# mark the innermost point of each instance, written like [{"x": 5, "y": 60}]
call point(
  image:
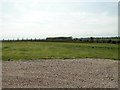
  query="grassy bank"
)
[{"x": 51, "y": 50}]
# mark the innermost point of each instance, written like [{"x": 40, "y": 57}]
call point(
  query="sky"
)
[{"x": 52, "y": 18}]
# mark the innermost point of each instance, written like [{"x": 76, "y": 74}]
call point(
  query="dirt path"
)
[{"x": 85, "y": 73}]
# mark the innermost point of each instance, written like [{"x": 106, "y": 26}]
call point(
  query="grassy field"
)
[{"x": 51, "y": 50}]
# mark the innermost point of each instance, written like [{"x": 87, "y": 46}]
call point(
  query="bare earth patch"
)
[{"x": 70, "y": 73}]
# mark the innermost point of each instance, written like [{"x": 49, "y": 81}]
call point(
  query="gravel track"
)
[{"x": 70, "y": 73}]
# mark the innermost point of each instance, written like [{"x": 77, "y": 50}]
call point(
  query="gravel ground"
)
[{"x": 70, "y": 73}]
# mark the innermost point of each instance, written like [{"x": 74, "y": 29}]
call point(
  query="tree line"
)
[{"x": 113, "y": 40}]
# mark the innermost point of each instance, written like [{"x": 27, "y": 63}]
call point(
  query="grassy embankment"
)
[{"x": 53, "y": 50}]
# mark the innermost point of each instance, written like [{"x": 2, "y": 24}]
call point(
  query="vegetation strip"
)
[{"x": 57, "y": 50}]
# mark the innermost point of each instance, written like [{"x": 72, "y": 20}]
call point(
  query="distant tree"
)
[
  {"x": 59, "y": 39},
  {"x": 75, "y": 39},
  {"x": 118, "y": 42},
  {"x": 91, "y": 39},
  {"x": 22, "y": 39},
  {"x": 35, "y": 39},
  {"x": 17, "y": 39},
  {"x": 103, "y": 41},
  {"x": 97, "y": 40},
  {"x": 114, "y": 42},
  {"x": 109, "y": 41},
  {"x": 80, "y": 40}
]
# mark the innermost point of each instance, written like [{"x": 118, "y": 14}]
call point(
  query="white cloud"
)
[
  {"x": 56, "y": 23},
  {"x": 28, "y": 21},
  {"x": 37, "y": 1}
]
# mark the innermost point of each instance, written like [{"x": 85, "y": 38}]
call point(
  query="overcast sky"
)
[{"x": 41, "y": 19}]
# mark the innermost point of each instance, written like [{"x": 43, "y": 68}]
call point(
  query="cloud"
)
[
  {"x": 28, "y": 19},
  {"x": 37, "y": 1}
]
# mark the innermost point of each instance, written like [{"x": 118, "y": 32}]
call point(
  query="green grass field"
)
[{"x": 54, "y": 50}]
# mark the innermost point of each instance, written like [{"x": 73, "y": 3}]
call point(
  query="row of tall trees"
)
[{"x": 113, "y": 40}]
